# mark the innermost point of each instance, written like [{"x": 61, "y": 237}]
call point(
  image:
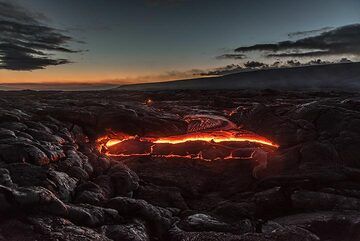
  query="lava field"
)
[{"x": 180, "y": 165}]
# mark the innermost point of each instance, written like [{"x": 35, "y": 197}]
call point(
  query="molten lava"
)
[
  {"x": 212, "y": 145},
  {"x": 209, "y": 137},
  {"x": 216, "y": 137}
]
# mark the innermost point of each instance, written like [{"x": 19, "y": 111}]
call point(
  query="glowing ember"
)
[{"x": 149, "y": 102}]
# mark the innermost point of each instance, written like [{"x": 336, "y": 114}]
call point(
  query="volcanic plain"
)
[{"x": 249, "y": 165}]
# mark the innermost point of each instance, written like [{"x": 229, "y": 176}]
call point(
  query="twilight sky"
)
[{"x": 148, "y": 40}]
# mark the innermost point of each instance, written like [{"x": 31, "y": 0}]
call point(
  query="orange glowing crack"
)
[
  {"x": 217, "y": 137},
  {"x": 104, "y": 144},
  {"x": 192, "y": 156},
  {"x": 106, "y": 141},
  {"x": 113, "y": 142}
]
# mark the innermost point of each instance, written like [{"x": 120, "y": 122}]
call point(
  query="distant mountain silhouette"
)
[{"x": 344, "y": 76}]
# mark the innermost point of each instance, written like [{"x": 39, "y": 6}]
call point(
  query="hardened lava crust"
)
[{"x": 144, "y": 166}]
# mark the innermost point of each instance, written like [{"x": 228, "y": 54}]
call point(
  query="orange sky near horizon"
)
[
  {"x": 29, "y": 77},
  {"x": 91, "y": 77},
  {"x": 128, "y": 42},
  {"x": 83, "y": 74}
]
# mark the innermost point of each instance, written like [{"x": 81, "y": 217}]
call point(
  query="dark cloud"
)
[
  {"x": 233, "y": 68},
  {"x": 293, "y": 63},
  {"x": 340, "y": 41},
  {"x": 345, "y": 60},
  {"x": 231, "y": 56},
  {"x": 255, "y": 64},
  {"x": 228, "y": 69},
  {"x": 12, "y": 12},
  {"x": 298, "y": 54},
  {"x": 318, "y": 61},
  {"x": 309, "y": 32},
  {"x": 27, "y": 44},
  {"x": 297, "y": 63}
]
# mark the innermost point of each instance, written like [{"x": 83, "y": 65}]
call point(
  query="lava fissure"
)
[
  {"x": 207, "y": 146},
  {"x": 209, "y": 138},
  {"x": 216, "y": 137}
]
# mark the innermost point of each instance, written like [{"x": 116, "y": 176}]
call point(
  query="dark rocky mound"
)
[
  {"x": 333, "y": 76},
  {"x": 54, "y": 185}
]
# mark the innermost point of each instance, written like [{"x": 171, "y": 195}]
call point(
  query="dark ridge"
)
[{"x": 331, "y": 76}]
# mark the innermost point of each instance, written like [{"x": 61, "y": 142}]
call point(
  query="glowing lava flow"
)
[
  {"x": 208, "y": 146},
  {"x": 209, "y": 137},
  {"x": 106, "y": 142},
  {"x": 216, "y": 137}
]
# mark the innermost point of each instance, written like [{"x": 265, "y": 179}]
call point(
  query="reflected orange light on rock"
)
[{"x": 108, "y": 141}]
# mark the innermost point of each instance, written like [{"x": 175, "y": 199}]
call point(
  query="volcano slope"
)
[{"x": 56, "y": 183}]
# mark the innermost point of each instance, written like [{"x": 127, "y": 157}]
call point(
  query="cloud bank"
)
[
  {"x": 27, "y": 44},
  {"x": 309, "y": 32},
  {"x": 339, "y": 41},
  {"x": 255, "y": 65}
]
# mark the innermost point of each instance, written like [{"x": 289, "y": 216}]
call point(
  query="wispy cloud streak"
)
[{"x": 26, "y": 43}]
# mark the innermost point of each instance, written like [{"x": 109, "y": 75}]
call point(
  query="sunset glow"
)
[{"x": 131, "y": 42}]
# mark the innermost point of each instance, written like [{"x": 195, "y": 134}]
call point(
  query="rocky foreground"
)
[{"x": 55, "y": 185}]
